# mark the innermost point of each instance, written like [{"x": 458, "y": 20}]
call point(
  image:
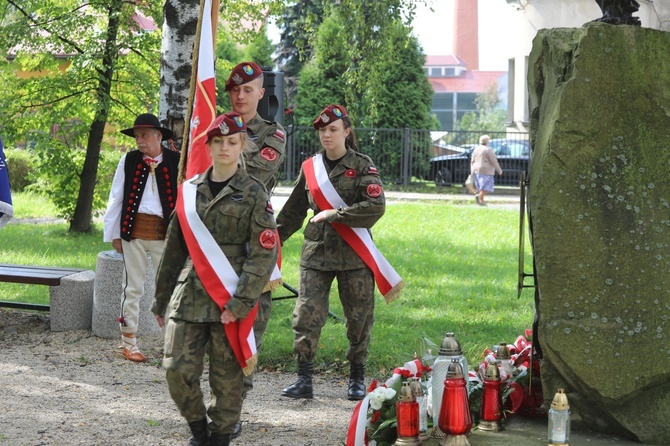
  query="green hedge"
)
[{"x": 21, "y": 167}]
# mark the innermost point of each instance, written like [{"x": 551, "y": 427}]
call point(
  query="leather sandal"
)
[{"x": 134, "y": 354}]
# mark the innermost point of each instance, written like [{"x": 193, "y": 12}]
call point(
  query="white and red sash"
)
[
  {"x": 359, "y": 239},
  {"x": 216, "y": 274}
]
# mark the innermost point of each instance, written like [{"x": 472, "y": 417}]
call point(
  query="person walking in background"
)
[
  {"x": 263, "y": 159},
  {"x": 142, "y": 197},
  {"x": 483, "y": 165},
  {"x": 343, "y": 188},
  {"x": 219, "y": 253}
]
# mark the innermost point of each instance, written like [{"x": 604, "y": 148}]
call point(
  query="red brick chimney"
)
[{"x": 466, "y": 32}]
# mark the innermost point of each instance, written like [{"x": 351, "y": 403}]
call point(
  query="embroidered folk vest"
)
[{"x": 136, "y": 177}]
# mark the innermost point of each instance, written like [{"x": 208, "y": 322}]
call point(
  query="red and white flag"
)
[{"x": 204, "y": 100}]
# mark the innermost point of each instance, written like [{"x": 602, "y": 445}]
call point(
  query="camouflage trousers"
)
[
  {"x": 185, "y": 346},
  {"x": 356, "y": 290},
  {"x": 260, "y": 324}
]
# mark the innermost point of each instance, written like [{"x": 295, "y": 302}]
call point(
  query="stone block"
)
[
  {"x": 599, "y": 198},
  {"x": 71, "y": 302},
  {"x": 107, "y": 298}
]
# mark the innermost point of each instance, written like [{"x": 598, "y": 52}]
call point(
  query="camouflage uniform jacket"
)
[
  {"x": 323, "y": 248},
  {"x": 236, "y": 217},
  {"x": 267, "y": 156}
]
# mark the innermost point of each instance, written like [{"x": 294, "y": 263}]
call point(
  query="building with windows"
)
[
  {"x": 533, "y": 15},
  {"x": 456, "y": 79}
]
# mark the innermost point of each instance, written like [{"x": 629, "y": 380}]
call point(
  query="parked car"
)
[{"x": 513, "y": 156}]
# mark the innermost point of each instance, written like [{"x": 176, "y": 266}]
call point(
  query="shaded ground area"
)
[{"x": 74, "y": 388}]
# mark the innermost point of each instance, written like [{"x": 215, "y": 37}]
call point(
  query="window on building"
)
[{"x": 436, "y": 72}]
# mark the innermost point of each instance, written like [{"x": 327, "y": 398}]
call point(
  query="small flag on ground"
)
[{"x": 6, "y": 210}]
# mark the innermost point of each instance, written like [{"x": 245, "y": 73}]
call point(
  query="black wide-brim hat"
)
[{"x": 148, "y": 121}]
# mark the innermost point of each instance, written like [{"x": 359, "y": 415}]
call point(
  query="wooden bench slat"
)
[{"x": 37, "y": 275}]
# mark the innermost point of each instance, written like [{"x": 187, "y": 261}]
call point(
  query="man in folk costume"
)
[
  {"x": 143, "y": 195},
  {"x": 263, "y": 160},
  {"x": 220, "y": 251},
  {"x": 343, "y": 189}
]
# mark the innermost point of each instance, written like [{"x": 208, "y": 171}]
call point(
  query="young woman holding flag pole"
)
[{"x": 220, "y": 250}]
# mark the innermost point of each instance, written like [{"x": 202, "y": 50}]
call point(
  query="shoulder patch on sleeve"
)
[
  {"x": 268, "y": 239},
  {"x": 374, "y": 190},
  {"x": 269, "y": 153},
  {"x": 372, "y": 170}
]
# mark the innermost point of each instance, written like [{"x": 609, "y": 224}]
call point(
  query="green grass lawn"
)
[{"x": 459, "y": 264}]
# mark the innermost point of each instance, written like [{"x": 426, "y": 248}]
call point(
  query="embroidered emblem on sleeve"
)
[
  {"x": 374, "y": 190},
  {"x": 269, "y": 208},
  {"x": 269, "y": 154},
  {"x": 350, "y": 173},
  {"x": 373, "y": 170},
  {"x": 268, "y": 239}
]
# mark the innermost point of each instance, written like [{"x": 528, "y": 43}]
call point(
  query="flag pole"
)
[{"x": 191, "y": 94}]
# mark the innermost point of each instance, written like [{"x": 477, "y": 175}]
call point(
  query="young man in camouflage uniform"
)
[{"x": 263, "y": 160}]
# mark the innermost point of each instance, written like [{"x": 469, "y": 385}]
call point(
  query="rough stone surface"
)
[
  {"x": 107, "y": 298},
  {"x": 71, "y": 302},
  {"x": 600, "y": 214}
]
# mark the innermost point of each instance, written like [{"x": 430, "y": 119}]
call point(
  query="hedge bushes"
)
[{"x": 21, "y": 165}]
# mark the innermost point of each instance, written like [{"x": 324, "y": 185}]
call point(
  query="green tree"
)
[
  {"x": 399, "y": 93},
  {"x": 321, "y": 79},
  {"x": 298, "y": 23},
  {"x": 489, "y": 117},
  {"x": 75, "y": 68},
  {"x": 370, "y": 26},
  {"x": 260, "y": 48}
]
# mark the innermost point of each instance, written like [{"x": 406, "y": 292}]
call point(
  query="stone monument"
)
[{"x": 599, "y": 201}]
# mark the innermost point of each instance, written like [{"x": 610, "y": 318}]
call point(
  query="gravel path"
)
[{"x": 74, "y": 388}]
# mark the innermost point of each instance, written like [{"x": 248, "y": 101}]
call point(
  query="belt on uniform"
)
[
  {"x": 149, "y": 227},
  {"x": 235, "y": 250}
]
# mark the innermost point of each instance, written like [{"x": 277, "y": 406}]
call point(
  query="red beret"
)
[
  {"x": 226, "y": 125},
  {"x": 330, "y": 114},
  {"x": 242, "y": 74}
]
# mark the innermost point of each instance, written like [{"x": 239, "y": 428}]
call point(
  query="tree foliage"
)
[
  {"x": 400, "y": 95},
  {"x": 299, "y": 22},
  {"x": 76, "y": 68},
  {"x": 489, "y": 116},
  {"x": 321, "y": 80}
]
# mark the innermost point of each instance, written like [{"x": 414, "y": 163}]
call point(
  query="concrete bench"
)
[{"x": 70, "y": 293}]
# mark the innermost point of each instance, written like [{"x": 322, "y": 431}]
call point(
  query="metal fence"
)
[{"x": 402, "y": 156}]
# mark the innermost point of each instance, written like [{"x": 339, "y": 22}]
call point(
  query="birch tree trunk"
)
[{"x": 179, "y": 27}]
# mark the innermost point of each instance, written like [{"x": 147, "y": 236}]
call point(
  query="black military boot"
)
[
  {"x": 200, "y": 433},
  {"x": 237, "y": 430},
  {"x": 356, "y": 382},
  {"x": 302, "y": 388},
  {"x": 218, "y": 439}
]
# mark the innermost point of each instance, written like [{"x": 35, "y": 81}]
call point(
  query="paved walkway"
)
[{"x": 502, "y": 197}]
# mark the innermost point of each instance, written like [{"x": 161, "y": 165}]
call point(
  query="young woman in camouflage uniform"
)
[
  {"x": 235, "y": 209},
  {"x": 326, "y": 256}
]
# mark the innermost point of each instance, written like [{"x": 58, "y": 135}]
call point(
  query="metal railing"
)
[{"x": 402, "y": 156}]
